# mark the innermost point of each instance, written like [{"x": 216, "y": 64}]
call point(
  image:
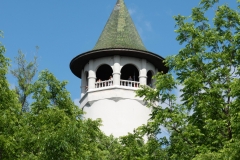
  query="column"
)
[
  {"x": 83, "y": 84},
  {"x": 153, "y": 81},
  {"x": 143, "y": 73},
  {"x": 116, "y": 70},
  {"x": 91, "y": 76}
]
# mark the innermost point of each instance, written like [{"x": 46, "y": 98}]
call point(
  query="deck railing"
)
[
  {"x": 129, "y": 83},
  {"x": 103, "y": 84},
  {"x": 126, "y": 83}
]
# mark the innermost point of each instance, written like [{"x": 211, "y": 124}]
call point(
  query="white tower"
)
[{"x": 119, "y": 53}]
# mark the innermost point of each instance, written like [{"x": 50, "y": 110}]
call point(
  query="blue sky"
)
[{"x": 63, "y": 29}]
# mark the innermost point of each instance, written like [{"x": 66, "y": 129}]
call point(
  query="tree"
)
[
  {"x": 25, "y": 72},
  {"x": 52, "y": 129},
  {"x": 206, "y": 124},
  {"x": 9, "y": 109}
]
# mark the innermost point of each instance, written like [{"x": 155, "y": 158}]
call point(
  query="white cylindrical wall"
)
[{"x": 118, "y": 118}]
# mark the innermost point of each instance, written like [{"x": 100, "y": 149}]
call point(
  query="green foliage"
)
[
  {"x": 53, "y": 128},
  {"x": 9, "y": 109},
  {"x": 24, "y": 73},
  {"x": 206, "y": 4},
  {"x": 134, "y": 147},
  {"x": 205, "y": 125},
  {"x": 49, "y": 92}
]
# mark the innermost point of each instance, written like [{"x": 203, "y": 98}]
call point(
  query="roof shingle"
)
[{"x": 120, "y": 31}]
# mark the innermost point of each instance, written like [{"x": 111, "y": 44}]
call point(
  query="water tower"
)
[{"x": 112, "y": 72}]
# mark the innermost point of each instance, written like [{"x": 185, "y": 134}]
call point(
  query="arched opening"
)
[
  {"x": 129, "y": 70},
  {"x": 149, "y": 78},
  {"x": 104, "y": 72}
]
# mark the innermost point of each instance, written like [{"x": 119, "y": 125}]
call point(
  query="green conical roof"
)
[{"x": 120, "y": 31}]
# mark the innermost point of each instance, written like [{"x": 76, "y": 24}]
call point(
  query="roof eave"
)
[{"x": 78, "y": 63}]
